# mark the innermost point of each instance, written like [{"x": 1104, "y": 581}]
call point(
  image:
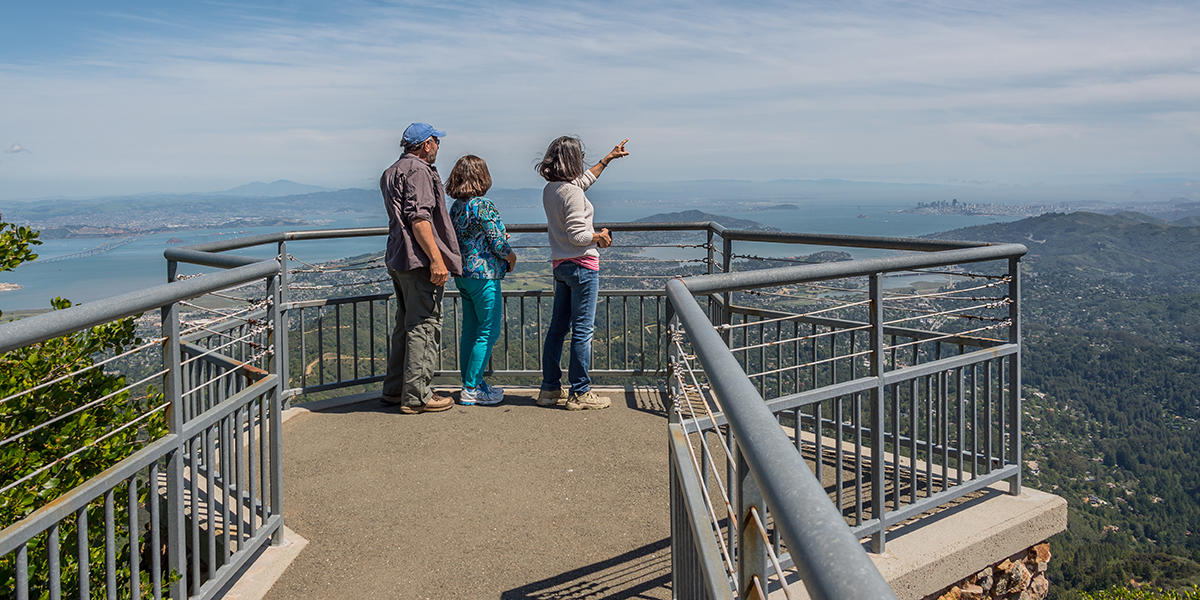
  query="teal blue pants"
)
[{"x": 482, "y": 320}]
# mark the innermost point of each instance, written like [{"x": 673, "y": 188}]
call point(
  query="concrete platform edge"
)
[
  {"x": 264, "y": 571},
  {"x": 949, "y": 546}
]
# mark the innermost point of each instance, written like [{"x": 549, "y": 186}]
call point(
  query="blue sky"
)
[{"x": 128, "y": 97}]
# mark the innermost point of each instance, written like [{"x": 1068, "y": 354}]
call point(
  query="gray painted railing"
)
[
  {"x": 203, "y": 499},
  {"x": 214, "y": 481},
  {"x": 824, "y": 375}
]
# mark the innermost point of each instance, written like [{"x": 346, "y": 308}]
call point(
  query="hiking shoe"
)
[
  {"x": 493, "y": 392},
  {"x": 587, "y": 401},
  {"x": 551, "y": 397},
  {"x": 480, "y": 395},
  {"x": 437, "y": 403}
]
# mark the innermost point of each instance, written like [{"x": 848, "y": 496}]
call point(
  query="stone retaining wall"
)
[{"x": 1021, "y": 576}]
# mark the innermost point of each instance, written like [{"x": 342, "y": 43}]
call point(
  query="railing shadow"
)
[
  {"x": 643, "y": 572},
  {"x": 649, "y": 399}
]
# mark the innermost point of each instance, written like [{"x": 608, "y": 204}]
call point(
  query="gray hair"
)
[{"x": 563, "y": 160}]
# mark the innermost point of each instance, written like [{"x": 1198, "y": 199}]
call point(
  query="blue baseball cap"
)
[{"x": 419, "y": 132}]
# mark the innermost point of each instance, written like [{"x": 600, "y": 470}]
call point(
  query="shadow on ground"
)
[{"x": 640, "y": 573}]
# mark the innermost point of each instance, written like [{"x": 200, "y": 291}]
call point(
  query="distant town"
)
[{"x": 954, "y": 207}]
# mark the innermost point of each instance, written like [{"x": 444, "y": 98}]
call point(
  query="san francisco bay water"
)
[{"x": 140, "y": 263}]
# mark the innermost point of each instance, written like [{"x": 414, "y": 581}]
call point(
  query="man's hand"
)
[
  {"x": 604, "y": 238},
  {"x": 511, "y": 259},
  {"x": 423, "y": 232},
  {"x": 438, "y": 275}
]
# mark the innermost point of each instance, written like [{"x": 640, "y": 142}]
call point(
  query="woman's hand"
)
[
  {"x": 618, "y": 151},
  {"x": 511, "y": 259},
  {"x": 603, "y": 239}
]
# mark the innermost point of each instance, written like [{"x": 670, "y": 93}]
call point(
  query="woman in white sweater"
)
[{"x": 576, "y": 260}]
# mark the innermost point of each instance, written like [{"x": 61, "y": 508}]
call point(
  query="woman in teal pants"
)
[{"x": 487, "y": 256}]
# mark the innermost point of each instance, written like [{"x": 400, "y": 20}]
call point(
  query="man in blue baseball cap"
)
[{"x": 422, "y": 253}]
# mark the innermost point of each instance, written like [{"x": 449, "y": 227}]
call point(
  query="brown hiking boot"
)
[
  {"x": 437, "y": 403},
  {"x": 551, "y": 397},
  {"x": 587, "y": 401}
]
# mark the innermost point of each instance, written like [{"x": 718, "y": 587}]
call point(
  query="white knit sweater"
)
[{"x": 569, "y": 217}]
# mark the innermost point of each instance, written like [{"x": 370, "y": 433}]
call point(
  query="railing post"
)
[
  {"x": 1014, "y": 371},
  {"x": 281, "y": 326},
  {"x": 709, "y": 264},
  {"x": 752, "y": 548},
  {"x": 709, "y": 267},
  {"x": 727, "y": 297},
  {"x": 279, "y": 359},
  {"x": 173, "y": 389},
  {"x": 731, "y": 467},
  {"x": 673, "y": 358},
  {"x": 676, "y": 514},
  {"x": 877, "y": 418},
  {"x": 676, "y": 502}
]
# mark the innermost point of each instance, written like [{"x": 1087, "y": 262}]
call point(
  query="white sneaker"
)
[
  {"x": 471, "y": 397},
  {"x": 493, "y": 392}
]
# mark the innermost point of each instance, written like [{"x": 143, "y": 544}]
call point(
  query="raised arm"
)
[{"x": 618, "y": 151}]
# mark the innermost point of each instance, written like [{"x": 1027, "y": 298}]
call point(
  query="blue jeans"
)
[
  {"x": 575, "y": 293},
  {"x": 482, "y": 319}
]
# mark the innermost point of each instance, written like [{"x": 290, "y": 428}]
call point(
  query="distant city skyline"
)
[{"x": 131, "y": 97}]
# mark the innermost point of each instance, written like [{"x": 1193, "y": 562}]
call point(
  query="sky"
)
[{"x": 103, "y": 98}]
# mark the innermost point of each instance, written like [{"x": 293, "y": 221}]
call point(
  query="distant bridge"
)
[{"x": 101, "y": 249}]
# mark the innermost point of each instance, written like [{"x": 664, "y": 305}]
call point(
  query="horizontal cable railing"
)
[
  {"x": 149, "y": 447},
  {"x": 340, "y": 313},
  {"x": 897, "y": 378},
  {"x": 901, "y": 393}
]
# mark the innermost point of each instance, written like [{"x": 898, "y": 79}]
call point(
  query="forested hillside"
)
[{"x": 1112, "y": 370}]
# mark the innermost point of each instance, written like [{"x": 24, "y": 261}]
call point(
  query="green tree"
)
[
  {"x": 16, "y": 246},
  {"x": 64, "y": 420}
]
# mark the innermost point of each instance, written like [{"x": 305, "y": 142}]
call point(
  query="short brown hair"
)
[{"x": 468, "y": 178}]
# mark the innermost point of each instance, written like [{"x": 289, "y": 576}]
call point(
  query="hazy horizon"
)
[{"x": 1161, "y": 188}]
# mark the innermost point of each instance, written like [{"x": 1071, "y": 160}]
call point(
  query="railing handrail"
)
[
  {"x": 740, "y": 280},
  {"x": 195, "y": 253},
  {"x": 38, "y": 328},
  {"x": 825, "y": 551},
  {"x": 830, "y": 560}
]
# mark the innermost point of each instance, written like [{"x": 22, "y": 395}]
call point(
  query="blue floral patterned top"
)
[{"x": 481, "y": 238}]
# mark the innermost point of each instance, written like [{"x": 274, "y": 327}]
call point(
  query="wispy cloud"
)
[
  {"x": 868, "y": 90},
  {"x": 17, "y": 149}
]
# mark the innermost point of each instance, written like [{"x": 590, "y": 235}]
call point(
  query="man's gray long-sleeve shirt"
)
[{"x": 412, "y": 191}]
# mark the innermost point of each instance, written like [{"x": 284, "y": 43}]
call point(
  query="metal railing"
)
[
  {"x": 838, "y": 412},
  {"x": 340, "y": 339},
  {"x": 182, "y": 514},
  {"x": 769, "y": 370}
]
